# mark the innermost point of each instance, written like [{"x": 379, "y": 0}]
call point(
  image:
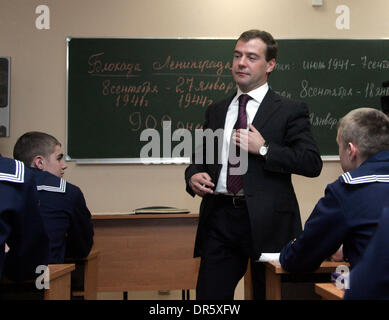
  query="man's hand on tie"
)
[{"x": 249, "y": 140}]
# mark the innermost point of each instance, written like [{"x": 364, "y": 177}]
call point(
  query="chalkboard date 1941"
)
[
  {"x": 333, "y": 64},
  {"x": 133, "y": 99}
]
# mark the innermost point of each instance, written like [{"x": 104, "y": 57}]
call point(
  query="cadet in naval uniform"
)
[
  {"x": 349, "y": 212},
  {"x": 21, "y": 225},
  {"x": 63, "y": 207},
  {"x": 369, "y": 280}
]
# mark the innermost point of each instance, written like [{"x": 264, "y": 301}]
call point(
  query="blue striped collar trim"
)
[
  {"x": 60, "y": 189},
  {"x": 347, "y": 178},
  {"x": 17, "y": 177}
]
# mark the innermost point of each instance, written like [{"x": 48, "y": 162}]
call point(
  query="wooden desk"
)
[
  {"x": 59, "y": 286},
  {"x": 146, "y": 252},
  {"x": 86, "y": 273},
  {"x": 59, "y": 282},
  {"x": 328, "y": 291},
  {"x": 274, "y": 273}
]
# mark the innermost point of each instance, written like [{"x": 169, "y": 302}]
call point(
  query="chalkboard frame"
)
[
  {"x": 166, "y": 160},
  {"x": 5, "y": 110}
]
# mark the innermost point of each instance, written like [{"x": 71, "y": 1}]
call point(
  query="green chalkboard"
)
[{"x": 119, "y": 87}]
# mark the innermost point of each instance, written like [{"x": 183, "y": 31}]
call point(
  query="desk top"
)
[
  {"x": 58, "y": 270},
  {"x": 325, "y": 267},
  {"x": 329, "y": 291},
  {"x": 119, "y": 215}
]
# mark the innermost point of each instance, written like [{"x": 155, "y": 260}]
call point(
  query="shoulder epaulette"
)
[
  {"x": 17, "y": 177},
  {"x": 347, "y": 178},
  {"x": 61, "y": 188}
]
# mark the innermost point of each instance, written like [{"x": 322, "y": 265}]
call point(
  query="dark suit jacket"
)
[{"x": 271, "y": 200}]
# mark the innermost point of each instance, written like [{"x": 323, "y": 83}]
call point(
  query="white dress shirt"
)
[{"x": 252, "y": 107}]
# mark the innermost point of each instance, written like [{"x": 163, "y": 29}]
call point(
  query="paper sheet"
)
[{"x": 266, "y": 257}]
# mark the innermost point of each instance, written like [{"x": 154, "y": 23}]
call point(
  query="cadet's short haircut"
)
[
  {"x": 367, "y": 128},
  {"x": 266, "y": 37},
  {"x": 32, "y": 144}
]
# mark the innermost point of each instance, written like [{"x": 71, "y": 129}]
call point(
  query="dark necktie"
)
[{"x": 234, "y": 182}]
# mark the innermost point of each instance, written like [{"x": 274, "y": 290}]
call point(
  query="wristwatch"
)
[{"x": 264, "y": 149}]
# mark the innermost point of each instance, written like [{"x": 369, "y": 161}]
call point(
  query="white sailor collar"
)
[
  {"x": 347, "y": 178},
  {"x": 60, "y": 188},
  {"x": 374, "y": 169},
  {"x": 17, "y": 175}
]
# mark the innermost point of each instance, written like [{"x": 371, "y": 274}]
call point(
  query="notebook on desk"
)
[{"x": 159, "y": 209}]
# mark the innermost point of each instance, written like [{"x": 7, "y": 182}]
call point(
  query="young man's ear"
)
[
  {"x": 352, "y": 151},
  {"x": 38, "y": 162}
]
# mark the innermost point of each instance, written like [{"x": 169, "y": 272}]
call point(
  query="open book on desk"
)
[{"x": 160, "y": 209}]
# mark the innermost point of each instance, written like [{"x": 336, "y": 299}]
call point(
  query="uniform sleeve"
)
[
  {"x": 299, "y": 153},
  {"x": 80, "y": 234},
  {"x": 323, "y": 234},
  {"x": 28, "y": 240}
]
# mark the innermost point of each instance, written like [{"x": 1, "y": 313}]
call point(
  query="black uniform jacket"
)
[
  {"x": 66, "y": 217},
  {"x": 21, "y": 225}
]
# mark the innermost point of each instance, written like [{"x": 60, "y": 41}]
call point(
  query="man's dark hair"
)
[
  {"x": 266, "y": 37},
  {"x": 32, "y": 144}
]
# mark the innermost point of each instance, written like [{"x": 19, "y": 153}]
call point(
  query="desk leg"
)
[
  {"x": 248, "y": 284},
  {"x": 185, "y": 294},
  {"x": 273, "y": 285},
  {"x": 90, "y": 279}
]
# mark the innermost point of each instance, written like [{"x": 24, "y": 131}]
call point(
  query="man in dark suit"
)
[{"x": 242, "y": 216}]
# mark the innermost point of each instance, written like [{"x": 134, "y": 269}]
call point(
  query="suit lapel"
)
[{"x": 270, "y": 104}]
